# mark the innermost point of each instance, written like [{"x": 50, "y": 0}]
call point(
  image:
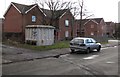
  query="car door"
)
[
  {"x": 87, "y": 42},
  {"x": 91, "y": 43},
  {"x": 94, "y": 44}
]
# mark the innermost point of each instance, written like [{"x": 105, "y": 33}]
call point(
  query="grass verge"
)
[{"x": 58, "y": 45}]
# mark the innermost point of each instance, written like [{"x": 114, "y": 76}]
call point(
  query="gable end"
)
[
  {"x": 89, "y": 21},
  {"x": 9, "y": 8}
]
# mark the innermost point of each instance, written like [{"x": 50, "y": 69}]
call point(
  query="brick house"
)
[
  {"x": 110, "y": 28},
  {"x": 117, "y": 30},
  {"x": 92, "y": 27},
  {"x": 18, "y": 16},
  {"x": 62, "y": 21}
]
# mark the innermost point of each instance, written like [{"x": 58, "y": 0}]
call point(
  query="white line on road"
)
[
  {"x": 91, "y": 57},
  {"x": 110, "y": 62}
]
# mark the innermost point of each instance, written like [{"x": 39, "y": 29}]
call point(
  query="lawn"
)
[{"x": 58, "y": 45}]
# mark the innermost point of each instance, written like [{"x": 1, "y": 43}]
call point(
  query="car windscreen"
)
[{"x": 77, "y": 41}]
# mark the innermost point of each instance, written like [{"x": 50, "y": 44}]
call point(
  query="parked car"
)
[{"x": 84, "y": 44}]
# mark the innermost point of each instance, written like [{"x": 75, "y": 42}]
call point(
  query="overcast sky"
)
[{"x": 107, "y": 9}]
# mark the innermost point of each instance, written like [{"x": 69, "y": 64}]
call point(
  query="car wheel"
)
[
  {"x": 88, "y": 50},
  {"x": 99, "y": 49},
  {"x": 72, "y": 50}
]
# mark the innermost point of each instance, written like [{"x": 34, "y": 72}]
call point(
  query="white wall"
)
[{"x": 44, "y": 35}]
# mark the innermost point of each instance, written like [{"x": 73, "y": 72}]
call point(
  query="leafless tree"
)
[
  {"x": 77, "y": 9},
  {"x": 53, "y": 7},
  {"x": 83, "y": 13}
]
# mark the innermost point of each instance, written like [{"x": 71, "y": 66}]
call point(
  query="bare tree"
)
[
  {"x": 53, "y": 7},
  {"x": 83, "y": 13},
  {"x": 77, "y": 9}
]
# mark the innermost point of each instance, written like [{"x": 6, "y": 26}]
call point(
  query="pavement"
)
[{"x": 13, "y": 54}]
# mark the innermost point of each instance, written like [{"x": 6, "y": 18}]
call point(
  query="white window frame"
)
[
  {"x": 33, "y": 18},
  {"x": 66, "y": 22}
]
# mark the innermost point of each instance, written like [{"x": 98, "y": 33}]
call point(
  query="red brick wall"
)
[
  {"x": 89, "y": 29},
  {"x": 76, "y": 28},
  {"x": 13, "y": 21},
  {"x": 27, "y": 20},
  {"x": 63, "y": 28},
  {"x": 103, "y": 27}
]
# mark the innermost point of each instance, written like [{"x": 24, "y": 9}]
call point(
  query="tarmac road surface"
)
[{"x": 94, "y": 63}]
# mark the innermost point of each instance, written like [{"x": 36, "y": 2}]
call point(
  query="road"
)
[{"x": 94, "y": 63}]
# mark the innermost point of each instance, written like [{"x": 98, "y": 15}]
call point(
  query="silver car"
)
[{"x": 84, "y": 44}]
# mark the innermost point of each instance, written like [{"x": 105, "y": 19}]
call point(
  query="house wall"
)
[
  {"x": 99, "y": 29},
  {"x": 13, "y": 21},
  {"x": 63, "y": 28},
  {"x": 27, "y": 20},
  {"x": 102, "y": 27},
  {"x": 76, "y": 28},
  {"x": 110, "y": 28},
  {"x": 91, "y": 30}
]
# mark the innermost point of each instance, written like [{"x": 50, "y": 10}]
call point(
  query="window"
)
[
  {"x": 77, "y": 41},
  {"x": 92, "y": 33},
  {"x": 93, "y": 40},
  {"x": 33, "y": 18},
  {"x": 66, "y": 22},
  {"x": 87, "y": 40},
  {"x": 66, "y": 33}
]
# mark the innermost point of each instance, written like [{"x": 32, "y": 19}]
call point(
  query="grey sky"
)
[{"x": 107, "y": 9}]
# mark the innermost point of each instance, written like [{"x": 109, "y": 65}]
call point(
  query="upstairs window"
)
[
  {"x": 67, "y": 22},
  {"x": 33, "y": 18}
]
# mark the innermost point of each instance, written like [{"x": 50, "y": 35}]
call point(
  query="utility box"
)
[{"x": 39, "y": 35}]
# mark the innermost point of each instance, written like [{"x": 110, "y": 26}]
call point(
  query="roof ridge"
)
[
  {"x": 22, "y": 4},
  {"x": 19, "y": 4},
  {"x": 58, "y": 13},
  {"x": 23, "y": 7}
]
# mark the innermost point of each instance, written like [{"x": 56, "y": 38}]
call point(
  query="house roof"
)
[
  {"x": 96, "y": 20},
  {"x": 56, "y": 13},
  {"x": 26, "y": 8},
  {"x": 23, "y": 8},
  {"x": 108, "y": 23}
]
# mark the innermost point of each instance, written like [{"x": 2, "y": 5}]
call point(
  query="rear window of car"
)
[{"x": 78, "y": 40}]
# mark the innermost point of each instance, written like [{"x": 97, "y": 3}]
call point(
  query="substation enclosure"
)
[{"x": 39, "y": 35}]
